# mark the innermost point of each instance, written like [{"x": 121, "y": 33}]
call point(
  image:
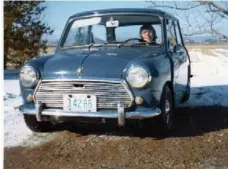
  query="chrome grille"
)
[{"x": 108, "y": 93}]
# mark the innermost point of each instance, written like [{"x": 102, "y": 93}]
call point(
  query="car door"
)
[
  {"x": 177, "y": 54},
  {"x": 183, "y": 59}
]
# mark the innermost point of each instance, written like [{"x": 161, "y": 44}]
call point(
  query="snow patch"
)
[
  {"x": 16, "y": 133},
  {"x": 209, "y": 85},
  {"x": 221, "y": 50},
  {"x": 208, "y": 91},
  {"x": 204, "y": 65},
  {"x": 196, "y": 55}
]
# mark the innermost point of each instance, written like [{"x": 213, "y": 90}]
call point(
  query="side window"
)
[
  {"x": 171, "y": 35},
  {"x": 178, "y": 34},
  {"x": 158, "y": 30}
]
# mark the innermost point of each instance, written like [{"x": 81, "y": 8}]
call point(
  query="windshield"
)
[{"x": 112, "y": 29}]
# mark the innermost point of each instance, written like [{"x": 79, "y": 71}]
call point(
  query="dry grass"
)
[
  {"x": 50, "y": 51},
  {"x": 221, "y": 46},
  {"x": 207, "y": 49}
]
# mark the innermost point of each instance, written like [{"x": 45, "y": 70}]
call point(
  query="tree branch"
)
[
  {"x": 209, "y": 11},
  {"x": 206, "y": 31},
  {"x": 218, "y": 8},
  {"x": 176, "y": 7}
]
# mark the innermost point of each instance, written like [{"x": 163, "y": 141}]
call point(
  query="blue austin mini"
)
[{"x": 118, "y": 64}]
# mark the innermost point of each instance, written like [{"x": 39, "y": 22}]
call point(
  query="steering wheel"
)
[
  {"x": 133, "y": 39},
  {"x": 140, "y": 40}
]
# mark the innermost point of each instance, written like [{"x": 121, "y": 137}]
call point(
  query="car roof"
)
[{"x": 122, "y": 11}]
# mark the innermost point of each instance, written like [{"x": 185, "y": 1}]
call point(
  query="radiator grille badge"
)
[{"x": 80, "y": 70}]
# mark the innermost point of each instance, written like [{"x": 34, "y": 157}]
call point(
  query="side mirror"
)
[{"x": 177, "y": 48}]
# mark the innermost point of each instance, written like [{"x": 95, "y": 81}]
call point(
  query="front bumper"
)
[{"x": 118, "y": 114}]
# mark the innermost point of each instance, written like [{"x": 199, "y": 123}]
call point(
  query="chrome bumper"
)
[{"x": 119, "y": 114}]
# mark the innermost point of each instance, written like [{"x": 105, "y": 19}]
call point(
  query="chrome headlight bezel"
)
[
  {"x": 31, "y": 81},
  {"x": 145, "y": 73}
]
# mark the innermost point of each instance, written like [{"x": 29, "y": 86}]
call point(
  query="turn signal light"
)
[
  {"x": 30, "y": 98},
  {"x": 139, "y": 100}
]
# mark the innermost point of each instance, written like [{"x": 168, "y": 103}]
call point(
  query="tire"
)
[
  {"x": 165, "y": 119},
  {"x": 34, "y": 125}
]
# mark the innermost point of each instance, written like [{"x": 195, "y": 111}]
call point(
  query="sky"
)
[{"x": 57, "y": 12}]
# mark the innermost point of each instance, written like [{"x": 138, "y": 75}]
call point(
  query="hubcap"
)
[{"x": 167, "y": 111}]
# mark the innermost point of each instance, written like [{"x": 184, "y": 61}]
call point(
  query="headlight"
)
[
  {"x": 138, "y": 77},
  {"x": 29, "y": 76}
]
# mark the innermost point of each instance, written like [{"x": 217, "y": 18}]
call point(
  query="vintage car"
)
[{"x": 102, "y": 69}]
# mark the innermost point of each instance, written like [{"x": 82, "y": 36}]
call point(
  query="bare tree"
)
[{"x": 196, "y": 17}]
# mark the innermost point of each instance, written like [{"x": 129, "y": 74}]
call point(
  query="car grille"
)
[{"x": 108, "y": 93}]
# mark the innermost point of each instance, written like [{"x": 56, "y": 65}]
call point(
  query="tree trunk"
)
[{"x": 5, "y": 62}]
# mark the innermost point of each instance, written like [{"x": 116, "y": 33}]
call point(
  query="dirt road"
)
[{"x": 199, "y": 140}]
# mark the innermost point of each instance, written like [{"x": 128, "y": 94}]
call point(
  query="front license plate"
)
[{"x": 80, "y": 102}]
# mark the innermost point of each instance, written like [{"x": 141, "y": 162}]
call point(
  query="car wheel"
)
[
  {"x": 36, "y": 126},
  {"x": 165, "y": 119}
]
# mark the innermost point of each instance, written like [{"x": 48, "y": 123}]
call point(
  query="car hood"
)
[{"x": 95, "y": 63}]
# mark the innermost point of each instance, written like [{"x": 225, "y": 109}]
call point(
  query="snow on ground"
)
[
  {"x": 209, "y": 87},
  {"x": 221, "y": 50},
  {"x": 206, "y": 65},
  {"x": 208, "y": 91},
  {"x": 16, "y": 133}
]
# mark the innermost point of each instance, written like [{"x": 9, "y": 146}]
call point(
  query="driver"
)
[{"x": 148, "y": 34}]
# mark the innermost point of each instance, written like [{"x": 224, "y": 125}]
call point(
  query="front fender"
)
[
  {"x": 160, "y": 70},
  {"x": 38, "y": 63}
]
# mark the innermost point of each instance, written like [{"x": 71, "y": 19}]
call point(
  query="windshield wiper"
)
[
  {"x": 141, "y": 43},
  {"x": 119, "y": 43},
  {"x": 93, "y": 45},
  {"x": 132, "y": 44}
]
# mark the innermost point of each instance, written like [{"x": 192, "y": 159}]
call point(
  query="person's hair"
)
[{"x": 148, "y": 27}]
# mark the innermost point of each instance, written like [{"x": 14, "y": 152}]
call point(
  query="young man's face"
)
[{"x": 147, "y": 35}]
